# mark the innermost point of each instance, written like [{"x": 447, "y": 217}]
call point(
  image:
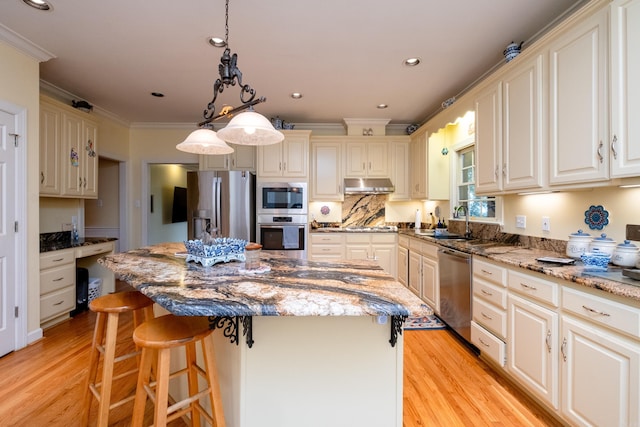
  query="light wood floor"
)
[{"x": 444, "y": 383}]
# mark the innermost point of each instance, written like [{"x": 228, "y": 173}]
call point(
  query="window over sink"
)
[{"x": 480, "y": 208}]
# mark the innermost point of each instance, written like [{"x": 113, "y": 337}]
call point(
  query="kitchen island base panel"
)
[{"x": 313, "y": 371}]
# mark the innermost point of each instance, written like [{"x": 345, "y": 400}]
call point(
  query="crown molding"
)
[{"x": 24, "y": 45}]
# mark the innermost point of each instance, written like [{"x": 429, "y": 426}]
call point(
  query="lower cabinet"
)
[
  {"x": 423, "y": 278},
  {"x": 57, "y": 285},
  {"x": 326, "y": 246},
  {"x": 380, "y": 247},
  {"x": 403, "y": 260}
]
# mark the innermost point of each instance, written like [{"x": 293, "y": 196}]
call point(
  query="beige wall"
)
[
  {"x": 163, "y": 179},
  {"x": 20, "y": 76},
  {"x": 103, "y": 212}
]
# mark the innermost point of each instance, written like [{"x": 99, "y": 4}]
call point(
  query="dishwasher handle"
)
[{"x": 454, "y": 253}]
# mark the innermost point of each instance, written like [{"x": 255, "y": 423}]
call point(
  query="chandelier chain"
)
[{"x": 226, "y": 24}]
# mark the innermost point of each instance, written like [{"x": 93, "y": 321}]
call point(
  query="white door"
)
[{"x": 7, "y": 233}]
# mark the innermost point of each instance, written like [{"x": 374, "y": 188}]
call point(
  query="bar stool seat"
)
[
  {"x": 105, "y": 338},
  {"x": 157, "y": 338}
]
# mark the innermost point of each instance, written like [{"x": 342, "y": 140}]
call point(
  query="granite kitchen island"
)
[{"x": 305, "y": 343}]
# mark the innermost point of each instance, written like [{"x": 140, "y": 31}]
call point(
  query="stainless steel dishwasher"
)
[{"x": 454, "y": 268}]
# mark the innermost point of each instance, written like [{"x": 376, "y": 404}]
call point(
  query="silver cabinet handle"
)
[
  {"x": 41, "y": 177},
  {"x": 284, "y": 166},
  {"x": 548, "y": 340},
  {"x": 483, "y": 343},
  {"x": 486, "y": 293},
  {"x": 496, "y": 173},
  {"x": 594, "y": 311},
  {"x": 504, "y": 169},
  {"x": 58, "y": 279},
  {"x": 524, "y": 285},
  {"x": 613, "y": 147},
  {"x": 487, "y": 272},
  {"x": 563, "y": 349},
  {"x": 279, "y": 166},
  {"x": 600, "y": 152},
  {"x": 485, "y": 316},
  {"x": 58, "y": 303}
]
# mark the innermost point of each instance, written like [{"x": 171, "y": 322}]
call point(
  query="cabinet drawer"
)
[
  {"x": 56, "y": 303},
  {"x": 602, "y": 311},
  {"x": 491, "y": 272},
  {"x": 415, "y": 245},
  {"x": 491, "y": 293},
  {"x": 84, "y": 251},
  {"x": 490, "y": 317},
  {"x": 429, "y": 250},
  {"x": 534, "y": 287},
  {"x": 326, "y": 250},
  {"x": 326, "y": 239},
  {"x": 56, "y": 258},
  {"x": 489, "y": 344},
  {"x": 56, "y": 278},
  {"x": 358, "y": 238},
  {"x": 403, "y": 241},
  {"x": 383, "y": 238}
]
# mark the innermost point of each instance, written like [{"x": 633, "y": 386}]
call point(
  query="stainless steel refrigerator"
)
[{"x": 221, "y": 203}]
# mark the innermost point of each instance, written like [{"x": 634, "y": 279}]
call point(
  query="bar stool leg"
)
[
  {"x": 192, "y": 375},
  {"x": 212, "y": 377},
  {"x": 162, "y": 386},
  {"x": 144, "y": 378},
  {"x": 107, "y": 376},
  {"x": 98, "y": 333}
]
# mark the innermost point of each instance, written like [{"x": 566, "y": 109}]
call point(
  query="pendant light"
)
[
  {"x": 204, "y": 141},
  {"x": 246, "y": 127}
]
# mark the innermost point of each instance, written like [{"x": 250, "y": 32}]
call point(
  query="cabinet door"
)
[
  {"x": 295, "y": 157},
  {"x": 378, "y": 159},
  {"x": 522, "y": 126},
  {"x": 578, "y": 103},
  {"x": 89, "y": 156},
  {"x": 270, "y": 160},
  {"x": 385, "y": 256},
  {"x": 355, "y": 159},
  {"x": 600, "y": 376},
  {"x": 437, "y": 177},
  {"x": 403, "y": 265},
  {"x": 210, "y": 162},
  {"x": 72, "y": 137},
  {"x": 419, "y": 166},
  {"x": 415, "y": 272},
  {"x": 326, "y": 180},
  {"x": 358, "y": 251},
  {"x": 488, "y": 109},
  {"x": 50, "y": 150},
  {"x": 400, "y": 170},
  {"x": 243, "y": 158},
  {"x": 532, "y": 353},
  {"x": 430, "y": 291},
  {"x": 625, "y": 88}
]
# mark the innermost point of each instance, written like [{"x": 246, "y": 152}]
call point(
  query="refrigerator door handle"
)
[{"x": 217, "y": 204}]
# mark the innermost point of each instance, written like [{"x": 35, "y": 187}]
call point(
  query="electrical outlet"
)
[
  {"x": 546, "y": 223},
  {"x": 67, "y": 226},
  {"x": 521, "y": 221}
]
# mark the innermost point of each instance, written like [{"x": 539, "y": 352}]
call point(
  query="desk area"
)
[{"x": 321, "y": 333}]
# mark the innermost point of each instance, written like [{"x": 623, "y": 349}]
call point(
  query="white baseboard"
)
[{"x": 34, "y": 336}]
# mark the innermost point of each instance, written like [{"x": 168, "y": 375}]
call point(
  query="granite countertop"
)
[
  {"x": 519, "y": 256},
  {"x": 62, "y": 240},
  {"x": 293, "y": 287}
]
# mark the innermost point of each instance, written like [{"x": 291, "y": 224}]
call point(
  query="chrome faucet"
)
[{"x": 467, "y": 231}]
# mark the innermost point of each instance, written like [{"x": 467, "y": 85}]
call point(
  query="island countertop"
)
[{"x": 292, "y": 287}]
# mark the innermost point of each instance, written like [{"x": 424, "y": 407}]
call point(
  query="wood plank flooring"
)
[{"x": 444, "y": 383}]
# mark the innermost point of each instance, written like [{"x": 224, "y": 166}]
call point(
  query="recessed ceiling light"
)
[
  {"x": 217, "y": 42},
  {"x": 157, "y": 94},
  {"x": 296, "y": 95},
  {"x": 38, "y": 4},
  {"x": 382, "y": 106},
  {"x": 411, "y": 62}
]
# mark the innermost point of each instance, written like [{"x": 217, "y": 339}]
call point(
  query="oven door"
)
[{"x": 287, "y": 238}]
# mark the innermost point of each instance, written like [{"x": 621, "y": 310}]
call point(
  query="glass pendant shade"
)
[
  {"x": 250, "y": 128},
  {"x": 204, "y": 141}
]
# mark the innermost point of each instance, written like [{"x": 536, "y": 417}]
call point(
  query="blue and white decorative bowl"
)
[
  {"x": 595, "y": 261},
  {"x": 221, "y": 249}
]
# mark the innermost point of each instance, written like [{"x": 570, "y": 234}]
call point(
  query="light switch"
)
[{"x": 521, "y": 221}]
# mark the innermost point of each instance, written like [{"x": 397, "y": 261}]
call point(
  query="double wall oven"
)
[{"x": 282, "y": 217}]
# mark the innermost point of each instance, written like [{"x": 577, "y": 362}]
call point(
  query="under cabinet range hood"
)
[{"x": 368, "y": 186}]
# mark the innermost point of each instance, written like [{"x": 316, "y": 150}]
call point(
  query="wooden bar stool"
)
[
  {"x": 108, "y": 309},
  {"x": 157, "y": 338}
]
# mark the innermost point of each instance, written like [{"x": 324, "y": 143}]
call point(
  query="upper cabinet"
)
[
  {"x": 419, "y": 161},
  {"x": 326, "y": 170},
  {"x": 625, "y": 88},
  {"x": 509, "y": 129},
  {"x": 288, "y": 159},
  {"x": 68, "y": 152},
  {"x": 243, "y": 158},
  {"x": 365, "y": 157},
  {"x": 400, "y": 156},
  {"x": 578, "y": 114}
]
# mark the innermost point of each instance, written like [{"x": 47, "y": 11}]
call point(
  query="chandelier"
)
[{"x": 247, "y": 127}]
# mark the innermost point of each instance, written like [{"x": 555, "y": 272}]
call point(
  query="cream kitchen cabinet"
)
[
  {"x": 625, "y": 88},
  {"x": 326, "y": 170},
  {"x": 429, "y": 169},
  {"x": 600, "y": 363},
  {"x": 578, "y": 103},
  {"x": 243, "y": 158},
  {"x": 423, "y": 277},
  {"x": 289, "y": 159},
  {"x": 415, "y": 272},
  {"x": 57, "y": 286},
  {"x": 419, "y": 162},
  {"x": 366, "y": 157},
  {"x": 400, "y": 156},
  {"x": 489, "y": 309},
  {"x": 68, "y": 152},
  {"x": 509, "y": 128},
  {"x": 326, "y": 246},
  {"x": 403, "y": 259},
  {"x": 380, "y": 247}
]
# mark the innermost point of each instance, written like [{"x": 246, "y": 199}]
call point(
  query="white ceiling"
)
[{"x": 345, "y": 56}]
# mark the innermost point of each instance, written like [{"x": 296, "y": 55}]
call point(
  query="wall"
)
[
  {"x": 56, "y": 212},
  {"x": 20, "y": 76},
  {"x": 163, "y": 179}
]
